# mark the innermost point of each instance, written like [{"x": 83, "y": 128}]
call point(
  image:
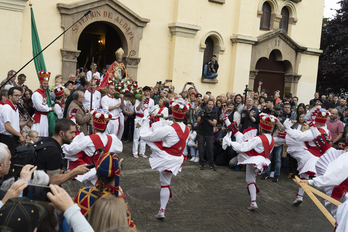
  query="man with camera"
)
[
  {"x": 206, "y": 121},
  {"x": 210, "y": 69}
]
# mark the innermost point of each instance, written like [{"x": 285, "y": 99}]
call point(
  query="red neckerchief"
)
[
  {"x": 160, "y": 111},
  {"x": 42, "y": 92},
  {"x": 226, "y": 114},
  {"x": 60, "y": 104},
  {"x": 94, "y": 71},
  {"x": 109, "y": 96},
  {"x": 146, "y": 101},
  {"x": 90, "y": 91},
  {"x": 8, "y": 102}
]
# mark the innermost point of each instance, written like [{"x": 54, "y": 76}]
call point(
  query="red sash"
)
[
  {"x": 85, "y": 159},
  {"x": 340, "y": 191},
  {"x": 178, "y": 148},
  {"x": 37, "y": 115},
  {"x": 266, "y": 146},
  {"x": 140, "y": 115},
  {"x": 315, "y": 150}
]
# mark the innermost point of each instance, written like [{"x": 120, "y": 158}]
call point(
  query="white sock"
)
[
  {"x": 252, "y": 191},
  {"x": 164, "y": 195},
  {"x": 300, "y": 192}
]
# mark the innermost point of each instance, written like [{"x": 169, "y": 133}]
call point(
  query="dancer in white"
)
[
  {"x": 253, "y": 150},
  {"x": 143, "y": 109},
  {"x": 110, "y": 103},
  {"x": 302, "y": 148},
  {"x": 167, "y": 143}
]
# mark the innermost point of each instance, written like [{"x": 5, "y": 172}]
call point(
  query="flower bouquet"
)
[{"x": 128, "y": 88}]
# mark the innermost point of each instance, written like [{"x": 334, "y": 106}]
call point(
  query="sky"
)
[{"x": 330, "y": 4}]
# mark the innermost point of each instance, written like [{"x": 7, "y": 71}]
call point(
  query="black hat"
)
[
  {"x": 271, "y": 99},
  {"x": 146, "y": 88},
  {"x": 288, "y": 95},
  {"x": 318, "y": 99},
  {"x": 199, "y": 95},
  {"x": 21, "y": 215},
  {"x": 277, "y": 107}
]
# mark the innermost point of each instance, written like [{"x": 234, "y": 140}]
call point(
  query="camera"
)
[{"x": 208, "y": 114}]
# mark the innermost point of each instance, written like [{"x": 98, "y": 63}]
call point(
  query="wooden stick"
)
[
  {"x": 316, "y": 201},
  {"x": 323, "y": 195}
]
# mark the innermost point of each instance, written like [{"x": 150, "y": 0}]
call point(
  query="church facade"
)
[{"x": 273, "y": 41}]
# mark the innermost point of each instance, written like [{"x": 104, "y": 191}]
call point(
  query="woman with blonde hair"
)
[
  {"x": 107, "y": 212},
  {"x": 32, "y": 136},
  {"x": 184, "y": 95}
]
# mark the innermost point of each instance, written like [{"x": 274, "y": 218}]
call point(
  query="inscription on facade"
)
[{"x": 116, "y": 19}]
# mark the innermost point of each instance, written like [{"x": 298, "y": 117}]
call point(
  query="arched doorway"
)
[
  {"x": 208, "y": 51},
  {"x": 99, "y": 40},
  {"x": 271, "y": 72}
]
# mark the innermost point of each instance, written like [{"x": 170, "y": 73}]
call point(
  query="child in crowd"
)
[{"x": 192, "y": 144}]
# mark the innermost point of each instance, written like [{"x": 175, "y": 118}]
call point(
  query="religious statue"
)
[{"x": 116, "y": 72}]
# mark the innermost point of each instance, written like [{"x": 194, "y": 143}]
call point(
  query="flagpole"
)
[{"x": 87, "y": 13}]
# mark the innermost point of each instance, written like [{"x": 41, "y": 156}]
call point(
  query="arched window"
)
[
  {"x": 266, "y": 16},
  {"x": 284, "y": 22}
]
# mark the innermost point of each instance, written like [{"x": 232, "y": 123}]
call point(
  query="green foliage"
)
[{"x": 333, "y": 63}]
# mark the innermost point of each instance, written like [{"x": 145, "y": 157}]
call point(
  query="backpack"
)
[{"x": 27, "y": 154}]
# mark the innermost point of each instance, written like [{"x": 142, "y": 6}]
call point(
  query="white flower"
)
[
  {"x": 323, "y": 114},
  {"x": 97, "y": 115},
  {"x": 181, "y": 107},
  {"x": 272, "y": 119},
  {"x": 92, "y": 112},
  {"x": 263, "y": 118},
  {"x": 106, "y": 115}
]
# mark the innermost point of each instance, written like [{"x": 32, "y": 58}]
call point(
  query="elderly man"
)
[
  {"x": 40, "y": 105},
  {"x": 96, "y": 97},
  {"x": 21, "y": 79},
  {"x": 13, "y": 79},
  {"x": 335, "y": 126},
  {"x": 77, "y": 113}
]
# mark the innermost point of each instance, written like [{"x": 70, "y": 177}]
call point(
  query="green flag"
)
[{"x": 39, "y": 62}]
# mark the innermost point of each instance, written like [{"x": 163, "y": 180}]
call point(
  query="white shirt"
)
[
  {"x": 145, "y": 109},
  {"x": 305, "y": 136},
  {"x": 85, "y": 144},
  {"x": 335, "y": 174},
  {"x": 109, "y": 101},
  {"x": 58, "y": 110},
  {"x": 254, "y": 143},
  {"x": 40, "y": 103},
  {"x": 7, "y": 114},
  {"x": 164, "y": 112},
  {"x": 89, "y": 75},
  {"x": 96, "y": 99}
]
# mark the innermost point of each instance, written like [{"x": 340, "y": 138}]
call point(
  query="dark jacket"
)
[{"x": 246, "y": 121}]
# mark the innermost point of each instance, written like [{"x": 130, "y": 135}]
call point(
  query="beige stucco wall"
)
[{"x": 166, "y": 56}]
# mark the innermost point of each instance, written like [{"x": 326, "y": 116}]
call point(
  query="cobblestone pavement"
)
[{"x": 204, "y": 200}]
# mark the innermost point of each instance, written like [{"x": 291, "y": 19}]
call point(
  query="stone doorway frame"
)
[
  {"x": 287, "y": 50},
  {"x": 127, "y": 23}
]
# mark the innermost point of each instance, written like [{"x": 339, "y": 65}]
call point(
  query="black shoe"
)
[
  {"x": 264, "y": 176},
  {"x": 213, "y": 168},
  {"x": 275, "y": 178},
  {"x": 201, "y": 167}
]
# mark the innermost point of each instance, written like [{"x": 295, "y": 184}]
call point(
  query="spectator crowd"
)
[{"x": 24, "y": 126}]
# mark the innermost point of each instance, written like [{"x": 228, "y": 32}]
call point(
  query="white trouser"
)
[
  {"x": 136, "y": 137},
  {"x": 250, "y": 174}
]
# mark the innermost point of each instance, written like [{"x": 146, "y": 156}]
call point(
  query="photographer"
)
[
  {"x": 250, "y": 115},
  {"x": 206, "y": 121},
  {"x": 210, "y": 69}
]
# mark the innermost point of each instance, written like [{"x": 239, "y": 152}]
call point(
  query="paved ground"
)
[{"x": 204, "y": 200}]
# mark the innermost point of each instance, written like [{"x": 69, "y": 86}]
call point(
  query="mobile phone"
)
[
  {"x": 189, "y": 83},
  {"x": 160, "y": 82},
  {"x": 168, "y": 80},
  {"x": 37, "y": 192},
  {"x": 16, "y": 171},
  {"x": 166, "y": 87}
]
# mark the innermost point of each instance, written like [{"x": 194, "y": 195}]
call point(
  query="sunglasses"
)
[{"x": 224, "y": 105}]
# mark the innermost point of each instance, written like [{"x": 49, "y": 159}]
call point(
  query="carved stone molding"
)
[
  {"x": 70, "y": 55},
  {"x": 243, "y": 39},
  {"x": 292, "y": 78},
  {"x": 209, "y": 81},
  {"x": 253, "y": 74},
  {"x": 218, "y": 1},
  {"x": 133, "y": 61},
  {"x": 183, "y": 29},
  {"x": 13, "y": 5}
]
